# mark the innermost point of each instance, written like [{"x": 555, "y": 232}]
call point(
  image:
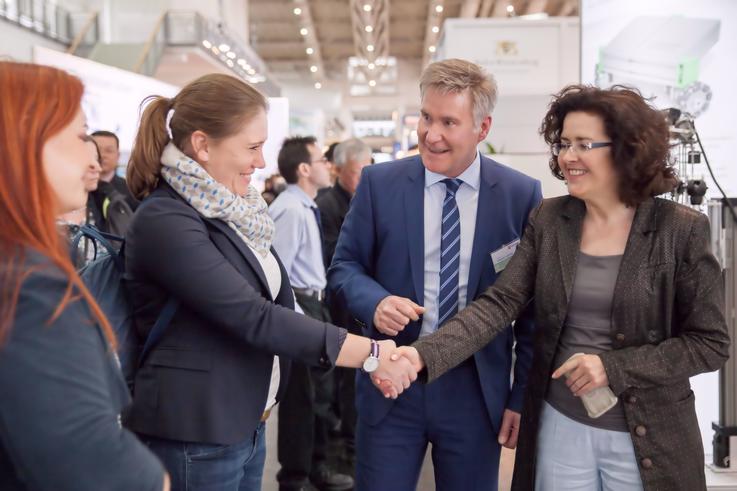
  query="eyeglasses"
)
[
  {"x": 321, "y": 160},
  {"x": 579, "y": 147}
]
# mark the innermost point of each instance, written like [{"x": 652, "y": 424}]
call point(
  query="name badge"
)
[{"x": 500, "y": 257}]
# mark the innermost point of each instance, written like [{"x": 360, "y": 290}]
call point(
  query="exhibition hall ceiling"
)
[{"x": 314, "y": 39}]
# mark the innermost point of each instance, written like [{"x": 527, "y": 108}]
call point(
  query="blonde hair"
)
[
  {"x": 454, "y": 76},
  {"x": 217, "y": 104}
]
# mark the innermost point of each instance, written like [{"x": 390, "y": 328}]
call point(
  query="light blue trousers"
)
[{"x": 575, "y": 457}]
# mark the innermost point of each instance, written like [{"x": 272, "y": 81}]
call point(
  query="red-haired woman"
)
[{"x": 61, "y": 387}]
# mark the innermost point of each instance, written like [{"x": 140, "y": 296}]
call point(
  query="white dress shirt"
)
[
  {"x": 273, "y": 277},
  {"x": 467, "y": 199},
  {"x": 297, "y": 238}
]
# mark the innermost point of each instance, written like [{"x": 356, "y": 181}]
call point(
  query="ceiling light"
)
[
  {"x": 510, "y": 8},
  {"x": 215, "y": 50},
  {"x": 207, "y": 44},
  {"x": 242, "y": 62},
  {"x": 313, "y": 68},
  {"x": 251, "y": 71},
  {"x": 435, "y": 29},
  {"x": 309, "y": 51},
  {"x": 370, "y": 48},
  {"x": 431, "y": 49},
  {"x": 366, "y": 7},
  {"x": 369, "y": 29},
  {"x": 230, "y": 63},
  {"x": 303, "y": 31},
  {"x": 371, "y": 66},
  {"x": 224, "y": 47},
  {"x": 318, "y": 85},
  {"x": 438, "y": 8},
  {"x": 230, "y": 55},
  {"x": 297, "y": 11},
  {"x": 372, "y": 83}
]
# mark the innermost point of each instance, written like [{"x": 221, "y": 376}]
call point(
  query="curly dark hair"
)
[{"x": 639, "y": 134}]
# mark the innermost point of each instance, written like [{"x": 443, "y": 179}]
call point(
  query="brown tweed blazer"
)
[{"x": 667, "y": 325}]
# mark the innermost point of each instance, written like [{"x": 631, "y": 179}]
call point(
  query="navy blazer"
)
[
  {"x": 207, "y": 379},
  {"x": 380, "y": 252}
]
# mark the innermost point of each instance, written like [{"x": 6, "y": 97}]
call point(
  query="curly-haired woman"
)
[{"x": 617, "y": 274}]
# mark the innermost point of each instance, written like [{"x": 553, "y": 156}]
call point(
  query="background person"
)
[
  {"x": 304, "y": 413},
  {"x": 349, "y": 159},
  {"x": 617, "y": 274}
]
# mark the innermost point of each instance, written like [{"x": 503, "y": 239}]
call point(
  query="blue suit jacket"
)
[{"x": 380, "y": 252}]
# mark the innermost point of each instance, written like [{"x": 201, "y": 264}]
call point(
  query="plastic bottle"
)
[{"x": 597, "y": 401}]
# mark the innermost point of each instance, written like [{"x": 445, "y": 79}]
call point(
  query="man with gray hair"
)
[
  {"x": 349, "y": 159},
  {"x": 423, "y": 238}
]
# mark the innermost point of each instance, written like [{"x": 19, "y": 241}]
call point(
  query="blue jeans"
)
[
  {"x": 207, "y": 467},
  {"x": 572, "y": 456}
]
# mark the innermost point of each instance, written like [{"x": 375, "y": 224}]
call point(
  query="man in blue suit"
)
[{"x": 424, "y": 236}]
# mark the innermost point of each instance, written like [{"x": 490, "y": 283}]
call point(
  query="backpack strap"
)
[
  {"x": 102, "y": 238},
  {"x": 165, "y": 317}
]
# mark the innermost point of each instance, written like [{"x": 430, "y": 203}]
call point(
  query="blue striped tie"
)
[{"x": 450, "y": 253}]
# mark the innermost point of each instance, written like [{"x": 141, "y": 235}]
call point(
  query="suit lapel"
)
[
  {"x": 569, "y": 242},
  {"x": 245, "y": 251},
  {"x": 636, "y": 250},
  {"x": 414, "y": 208},
  {"x": 488, "y": 214}
]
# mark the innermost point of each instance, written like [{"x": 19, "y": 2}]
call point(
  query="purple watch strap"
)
[{"x": 374, "y": 349}]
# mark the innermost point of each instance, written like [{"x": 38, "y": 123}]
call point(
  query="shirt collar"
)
[
  {"x": 470, "y": 176},
  {"x": 298, "y": 193}
]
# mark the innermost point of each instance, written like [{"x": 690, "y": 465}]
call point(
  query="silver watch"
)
[{"x": 371, "y": 363}]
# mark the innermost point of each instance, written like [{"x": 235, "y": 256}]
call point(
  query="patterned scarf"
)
[{"x": 248, "y": 215}]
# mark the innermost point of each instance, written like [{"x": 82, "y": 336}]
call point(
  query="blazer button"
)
[
  {"x": 646, "y": 463},
  {"x": 620, "y": 337},
  {"x": 632, "y": 399},
  {"x": 641, "y": 430}
]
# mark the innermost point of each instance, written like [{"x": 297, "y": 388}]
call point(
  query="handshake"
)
[{"x": 398, "y": 367}]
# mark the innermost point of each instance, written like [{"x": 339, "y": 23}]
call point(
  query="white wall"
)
[
  {"x": 18, "y": 42},
  {"x": 530, "y": 60}
]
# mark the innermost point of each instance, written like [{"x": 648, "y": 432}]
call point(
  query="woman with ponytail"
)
[
  {"x": 202, "y": 236},
  {"x": 60, "y": 382}
]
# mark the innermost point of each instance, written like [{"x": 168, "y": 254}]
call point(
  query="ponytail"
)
[
  {"x": 216, "y": 104},
  {"x": 144, "y": 166}
]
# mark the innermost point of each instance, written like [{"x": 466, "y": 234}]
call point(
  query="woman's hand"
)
[{"x": 585, "y": 373}]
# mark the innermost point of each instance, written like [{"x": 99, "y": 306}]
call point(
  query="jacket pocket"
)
[{"x": 177, "y": 358}]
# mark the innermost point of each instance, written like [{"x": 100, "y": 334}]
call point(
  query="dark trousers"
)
[
  {"x": 304, "y": 413},
  {"x": 449, "y": 413}
]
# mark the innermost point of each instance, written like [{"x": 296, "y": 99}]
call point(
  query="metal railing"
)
[
  {"x": 87, "y": 36},
  {"x": 189, "y": 29},
  {"x": 153, "y": 49},
  {"x": 46, "y": 18}
]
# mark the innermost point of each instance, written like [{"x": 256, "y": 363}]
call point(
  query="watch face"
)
[{"x": 370, "y": 364}]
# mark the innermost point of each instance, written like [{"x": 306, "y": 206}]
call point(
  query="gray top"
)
[{"x": 588, "y": 330}]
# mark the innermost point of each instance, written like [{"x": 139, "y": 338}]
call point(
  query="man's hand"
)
[
  {"x": 509, "y": 432},
  {"x": 393, "y": 313},
  {"x": 585, "y": 373},
  {"x": 392, "y": 376}
]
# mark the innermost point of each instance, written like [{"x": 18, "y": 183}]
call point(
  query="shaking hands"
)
[{"x": 398, "y": 367}]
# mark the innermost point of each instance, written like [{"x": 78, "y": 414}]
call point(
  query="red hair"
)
[{"x": 36, "y": 103}]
